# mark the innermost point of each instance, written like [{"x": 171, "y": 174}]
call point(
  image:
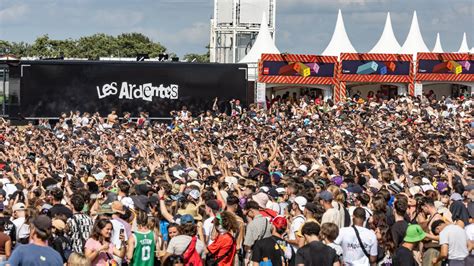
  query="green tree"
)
[
  {"x": 20, "y": 49},
  {"x": 4, "y": 47},
  {"x": 97, "y": 45},
  {"x": 42, "y": 47},
  {"x": 200, "y": 58},
  {"x": 131, "y": 44},
  {"x": 92, "y": 47}
]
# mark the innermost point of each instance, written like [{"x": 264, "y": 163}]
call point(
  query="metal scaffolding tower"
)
[{"x": 235, "y": 26}]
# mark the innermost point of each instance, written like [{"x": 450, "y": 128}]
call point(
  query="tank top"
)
[{"x": 144, "y": 253}]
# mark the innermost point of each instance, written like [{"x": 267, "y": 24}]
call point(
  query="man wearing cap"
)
[
  {"x": 188, "y": 230},
  {"x": 404, "y": 254},
  {"x": 22, "y": 231},
  {"x": 37, "y": 252},
  {"x": 299, "y": 219},
  {"x": 258, "y": 228},
  {"x": 331, "y": 215},
  {"x": 274, "y": 248}
]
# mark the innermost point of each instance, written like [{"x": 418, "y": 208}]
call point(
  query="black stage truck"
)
[{"x": 44, "y": 88}]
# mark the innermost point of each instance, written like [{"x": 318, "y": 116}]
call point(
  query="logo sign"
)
[{"x": 144, "y": 91}]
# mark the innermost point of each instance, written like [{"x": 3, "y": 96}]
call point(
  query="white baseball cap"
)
[
  {"x": 301, "y": 201},
  {"x": 18, "y": 207}
]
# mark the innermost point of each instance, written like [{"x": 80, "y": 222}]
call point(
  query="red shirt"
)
[{"x": 221, "y": 245}]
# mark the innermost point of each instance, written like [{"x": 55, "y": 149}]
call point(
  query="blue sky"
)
[{"x": 303, "y": 26}]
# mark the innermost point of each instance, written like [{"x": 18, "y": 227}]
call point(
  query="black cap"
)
[
  {"x": 273, "y": 193},
  {"x": 311, "y": 207},
  {"x": 43, "y": 223}
]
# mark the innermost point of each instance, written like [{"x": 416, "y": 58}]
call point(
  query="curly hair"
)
[{"x": 227, "y": 221}]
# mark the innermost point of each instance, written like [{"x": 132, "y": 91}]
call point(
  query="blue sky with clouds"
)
[{"x": 303, "y": 26}]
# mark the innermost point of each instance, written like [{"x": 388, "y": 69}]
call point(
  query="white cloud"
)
[
  {"x": 14, "y": 13},
  {"x": 197, "y": 33},
  {"x": 118, "y": 18}
]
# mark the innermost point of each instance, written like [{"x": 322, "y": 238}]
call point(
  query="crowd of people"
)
[{"x": 299, "y": 182}]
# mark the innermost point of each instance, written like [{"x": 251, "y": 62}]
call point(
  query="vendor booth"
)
[
  {"x": 444, "y": 74},
  {"x": 293, "y": 75},
  {"x": 370, "y": 75}
]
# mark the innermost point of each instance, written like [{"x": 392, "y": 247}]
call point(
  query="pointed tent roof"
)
[
  {"x": 263, "y": 44},
  {"x": 414, "y": 42},
  {"x": 464, "y": 48},
  {"x": 387, "y": 43},
  {"x": 340, "y": 42},
  {"x": 438, "y": 48}
]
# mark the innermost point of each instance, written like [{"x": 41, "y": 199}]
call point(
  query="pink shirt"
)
[{"x": 102, "y": 258}]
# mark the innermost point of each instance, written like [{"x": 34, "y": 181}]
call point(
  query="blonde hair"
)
[
  {"x": 76, "y": 259},
  {"x": 336, "y": 193}
]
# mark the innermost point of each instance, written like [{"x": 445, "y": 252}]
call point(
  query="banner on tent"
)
[
  {"x": 364, "y": 67},
  {"x": 454, "y": 67},
  {"x": 302, "y": 69}
]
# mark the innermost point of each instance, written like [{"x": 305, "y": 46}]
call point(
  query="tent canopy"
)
[
  {"x": 387, "y": 43},
  {"x": 463, "y": 48},
  {"x": 340, "y": 42},
  {"x": 414, "y": 42},
  {"x": 438, "y": 48},
  {"x": 264, "y": 44}
]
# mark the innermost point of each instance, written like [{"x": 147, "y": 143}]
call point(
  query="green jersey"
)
[{"x": 144, "y": 252}]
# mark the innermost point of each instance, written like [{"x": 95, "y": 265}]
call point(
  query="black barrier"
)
[{"x": 48, "y": 88}]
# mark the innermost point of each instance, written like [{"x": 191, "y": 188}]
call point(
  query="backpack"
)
[{"x": 190, "y": 255}]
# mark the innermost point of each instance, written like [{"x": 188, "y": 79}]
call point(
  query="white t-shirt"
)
[
  {"x": 296, "y": 225},
  {"x": 456, "y": 238},
  {"x": 352, "y": 252},
  {"x": 470, "y": 233},
  {"x": 22, "y": 229},
  {"x": 208, "y": 225},
  {"x": 115, "y": 236}
]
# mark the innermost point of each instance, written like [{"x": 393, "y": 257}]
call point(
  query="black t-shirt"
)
[
  {"x": 273, "y": 248},
  {"x": 399, "y": 230},
  {"x": 62, "y": 245},
  {"x": 404, "y": 257},
  {"x": 60, "y": 209},
  {"x": 316, "y": 254},
  {"x": 9, "y": 228}
]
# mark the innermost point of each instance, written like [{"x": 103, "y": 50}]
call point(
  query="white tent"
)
[
  {"x": 438, "y": 48},
  {"x": 263, "y": 44},
  {"x": 464, "y": 48},
  {"x": 340, "y": 42},
  {"x": 387, "y": 43},
  {"x": 414, "y": 42}
]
